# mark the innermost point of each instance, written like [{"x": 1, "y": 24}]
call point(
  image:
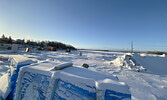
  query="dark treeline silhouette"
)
[
  {"x": 32, "y": 43},
  {"x": 4, "y": 39},
  {"x": 156, "y": 52}
]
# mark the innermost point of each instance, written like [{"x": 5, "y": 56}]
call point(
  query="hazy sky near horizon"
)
[{"x": 98, "y": 24}]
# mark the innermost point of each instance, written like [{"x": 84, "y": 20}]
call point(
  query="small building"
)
[{"x": 5, "y": 46}]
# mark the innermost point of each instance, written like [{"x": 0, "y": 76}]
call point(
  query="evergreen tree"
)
[
  {"x": 3, "y": 36},
  {"x": 10, "y": 40}
]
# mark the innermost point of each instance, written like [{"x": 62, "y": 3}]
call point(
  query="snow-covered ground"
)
[{"x": 146, "y": 75}]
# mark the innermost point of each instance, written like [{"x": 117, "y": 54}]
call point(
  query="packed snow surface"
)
[{"x": 145, "y": 74}]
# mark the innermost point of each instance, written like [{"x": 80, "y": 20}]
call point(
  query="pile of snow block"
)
[
  {"x": 42, "y": 81},
  {"x": 33, "y": 81},
  {"x": 8, "y": 80}
]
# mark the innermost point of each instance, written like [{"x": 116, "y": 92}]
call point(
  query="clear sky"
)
[{"x": 99, "y": 24}]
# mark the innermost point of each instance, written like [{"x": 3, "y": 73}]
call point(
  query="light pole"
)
[{"x": 131, "y": 46}]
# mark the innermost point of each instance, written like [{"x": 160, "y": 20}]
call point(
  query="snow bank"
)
[
  {"x": 129, "y": 62},
  {"x": 156, "y": 64},
  {"x": 71, "y": 83}
]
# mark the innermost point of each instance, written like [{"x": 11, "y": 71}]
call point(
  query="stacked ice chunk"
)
[
  {"x": 41, "y": 81},
  {"x": 8, "y": 80}
]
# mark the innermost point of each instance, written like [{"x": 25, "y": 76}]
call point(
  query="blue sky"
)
[{"x": 98, "y": 24}]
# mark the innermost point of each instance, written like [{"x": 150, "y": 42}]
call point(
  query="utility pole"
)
[{"x": 131, "y": 46}]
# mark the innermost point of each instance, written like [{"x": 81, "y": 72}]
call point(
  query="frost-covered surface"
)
[
  {"x": 150, "y": 83},
  {"x": 32, "y": 84},
  {"x": 20, "y": 60},
  {"x": 4, "y": 65},
  {"x": 72, "y": 83},
  {"x": 5, "y": 88},
  {"x": 14, "y": 62}
]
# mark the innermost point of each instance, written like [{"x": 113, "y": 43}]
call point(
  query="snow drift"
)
[{"x": 156, "y": 64}]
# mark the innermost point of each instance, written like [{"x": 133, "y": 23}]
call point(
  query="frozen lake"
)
[{"x": 146, "y": 75}]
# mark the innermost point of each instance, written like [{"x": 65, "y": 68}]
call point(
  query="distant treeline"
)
[
  {"x": 32, "y": 43},
  {"x": 156, "y": 52}
]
